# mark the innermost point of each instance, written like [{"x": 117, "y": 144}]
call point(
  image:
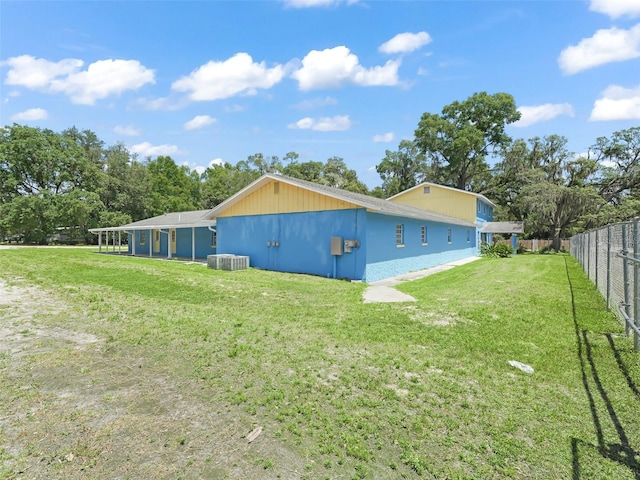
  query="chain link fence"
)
[{"x": 610, "y": 256}]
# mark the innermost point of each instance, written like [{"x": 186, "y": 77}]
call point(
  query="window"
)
[
  {"x": 448, "y": 235},
  {"x": 468, "y": 236},
  {"x": 426, "y": 190},
  {"x": 484, "y": 207},
  {"x": 400, "y": 235},
  {"x": 214, "y": 238},
  {"x": 143, "y": 238},
  {"x": 423, "y": 235},
  {"x": 173, "y": 236},
  {"x": 478, "y": 202}
]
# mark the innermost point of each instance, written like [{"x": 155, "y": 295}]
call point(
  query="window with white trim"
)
[
  {"x": 143, "y": 238},
  {"x": 448, "y": 235},
  {"x": 423, "y": 234},
  {"x": 214, "y": 238},
  {"x": 400, "y": 235}
]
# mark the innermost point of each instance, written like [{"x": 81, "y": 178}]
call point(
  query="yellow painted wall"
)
[
  {"x": 289, "y": 199},
  {"x": 441, "y": 200}
]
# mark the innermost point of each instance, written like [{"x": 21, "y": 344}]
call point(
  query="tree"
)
[
  {"x": 220, "y": 182},
  {"x": 310, "y": 171},
  {"x": 457, "y": 142},
  {"x": 335, "y": 173},
  {"x": 619, "y": 158},
  {"x": 172, "y": 188},
  {"x": 557, "y": 194},
  {"x": 402, "y": 169}
]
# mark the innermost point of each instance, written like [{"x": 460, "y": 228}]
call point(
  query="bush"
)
[{"x": 496, "y": 250}]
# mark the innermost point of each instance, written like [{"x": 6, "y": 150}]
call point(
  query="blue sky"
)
[{"x": 206, "y": 82}]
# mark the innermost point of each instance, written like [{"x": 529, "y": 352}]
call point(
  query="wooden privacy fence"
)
[
  {"x": 610, "y": 256},
  {"x": 536, "y": 244}
]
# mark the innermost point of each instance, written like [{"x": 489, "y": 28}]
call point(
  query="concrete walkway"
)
[{"x": 382, "y": 291}]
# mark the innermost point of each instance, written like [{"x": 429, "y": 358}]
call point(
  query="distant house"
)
[
  {"x": 291, "y": 225},
  {"x": 469, "y": 206}
]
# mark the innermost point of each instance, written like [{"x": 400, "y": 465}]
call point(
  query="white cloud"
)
[
  {"x": 216, "y": 161},
  {"x": 616, "y": 8},
  {"x": 199, "y": 121},
  {"x": 541, "y": 113},
  {"x": 617, "y": 103},
  {"x": 606, "y": 46},
  {"x": 37, "y": 73},
  {"x": 383, "y": 138},
  {"x": 234, "y": 108},
  {"x": 101, "y": 79},
  {"x": 145, "y": 149},
  {"x": 334, "y": 67},
  {"x": 323, "y": 124},
  {"x": 315, "y": 103},
  {"x": 129, "y": 130},
  {"x": 405, "y": 42},
  {"x": 237, "y": 75},
  {"x": 30, "y": 115},
  {"x": 316, "y": 3}
]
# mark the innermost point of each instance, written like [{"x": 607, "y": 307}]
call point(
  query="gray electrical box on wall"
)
[{"x": 336, "y": 245}]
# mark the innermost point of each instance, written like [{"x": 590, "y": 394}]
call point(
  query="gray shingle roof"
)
[
  {"x": 373, "y": 204},
  {"x": 503, "y": 227},
  {"x": 195, "y": 218}
]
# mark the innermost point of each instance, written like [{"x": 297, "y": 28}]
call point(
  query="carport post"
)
[
  {"x": 133, "y": 245},
  {"x": 119, "y": 242},
  {"x": 150, "y": 243}
]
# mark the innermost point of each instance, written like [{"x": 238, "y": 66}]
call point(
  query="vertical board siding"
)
[
  {"x": 457, "y": 204},
  {"x": 297, "y": 242},
  {"x": 289, "y": 199}
]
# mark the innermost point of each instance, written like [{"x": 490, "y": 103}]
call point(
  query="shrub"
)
[{"x": 496, "y": 250}]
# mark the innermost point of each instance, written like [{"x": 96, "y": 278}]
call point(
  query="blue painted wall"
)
[
  {"x": 385, "y": 259},
  {"x": 484, "y": 211},
  {"x": 183, "y": 243},
  {"x": 303, "y": 239}
]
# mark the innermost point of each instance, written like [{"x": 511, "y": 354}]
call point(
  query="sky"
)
[{"x": 207, "y": 82}]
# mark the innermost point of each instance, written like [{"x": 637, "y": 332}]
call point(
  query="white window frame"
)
[{"x": 399, "y": 235}]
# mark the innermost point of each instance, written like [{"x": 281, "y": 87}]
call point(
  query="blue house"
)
[
  {"x": 172, "y": 235},
  {"x": 291, "y": 225}
]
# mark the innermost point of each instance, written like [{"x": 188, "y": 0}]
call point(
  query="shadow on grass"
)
[{"x": 621, "y": 452}]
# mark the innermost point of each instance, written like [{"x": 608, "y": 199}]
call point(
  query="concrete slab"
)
[
  {"x": 384, "y": 294},
  {"x": 383, "y": 291}
]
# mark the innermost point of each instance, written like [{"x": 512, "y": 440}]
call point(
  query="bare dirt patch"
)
[{"x": 76, "y": 406}]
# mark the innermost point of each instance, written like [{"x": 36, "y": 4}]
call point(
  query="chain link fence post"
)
[
  {"x": 609, "y": 267},
  {"x": 636, "y": 281}
]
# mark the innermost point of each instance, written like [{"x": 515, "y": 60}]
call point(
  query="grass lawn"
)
[{"x": 117, "y": 367}]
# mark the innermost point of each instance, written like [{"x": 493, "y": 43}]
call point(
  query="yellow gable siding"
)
[
  {"x": 289, "y": 199},
  {"x": 441, "y": 200}
]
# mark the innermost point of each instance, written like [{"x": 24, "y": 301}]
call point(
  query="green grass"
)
[{"x": 349, "y": 390}]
